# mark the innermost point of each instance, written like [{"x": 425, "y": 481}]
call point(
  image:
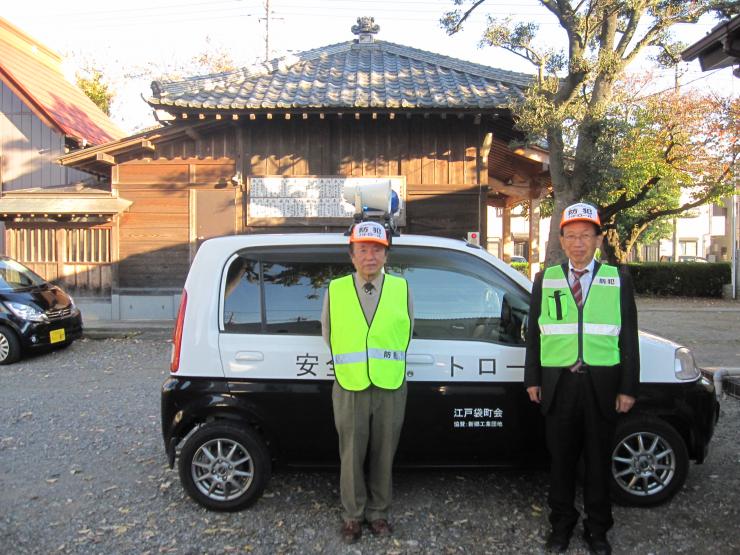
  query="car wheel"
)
[
  {"x": 224, "y": 467},
  {"x": 10, "y": 347},
  {"x": 649, "y": 462}
]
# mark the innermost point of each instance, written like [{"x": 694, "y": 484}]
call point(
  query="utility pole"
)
[
  {"x": 267, "y": 19},
  {"x": 267, "y": 30}
]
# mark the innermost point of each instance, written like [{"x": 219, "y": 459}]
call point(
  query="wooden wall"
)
[
  {"x": 440, "y": 158},
  {"x": 155, "y": 233},
  {"x": 29, "y": 149},
  {"x": 82, "y": 266}
]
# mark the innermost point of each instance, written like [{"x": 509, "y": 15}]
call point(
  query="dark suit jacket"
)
[{"x": 608, "y": 381}]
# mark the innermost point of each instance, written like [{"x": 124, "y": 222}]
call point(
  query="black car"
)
[{"x": 34, "y": 314}]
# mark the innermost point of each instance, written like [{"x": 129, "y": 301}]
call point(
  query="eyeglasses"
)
[{"x": 585, "y": 238}]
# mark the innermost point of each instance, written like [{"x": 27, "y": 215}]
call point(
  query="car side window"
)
[
  {"x": 280, "y": 291},
  {"x": 293, "y": 293},
  {"x": 459, "y": 296},
  {"x": 242, "y": 297}
]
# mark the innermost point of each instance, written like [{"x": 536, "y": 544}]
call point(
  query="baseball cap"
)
[
  {"x": 580, "y": 212},
  {"x": 369, "y": 232}
]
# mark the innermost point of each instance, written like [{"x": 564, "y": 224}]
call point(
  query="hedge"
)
[
  {"x": 680, "y": 279},
  {"x": 521, "y": 267}
]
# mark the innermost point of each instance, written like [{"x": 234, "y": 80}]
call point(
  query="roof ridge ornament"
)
[{"x": 365, "y": 29}]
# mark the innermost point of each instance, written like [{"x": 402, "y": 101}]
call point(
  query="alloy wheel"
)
[
  {"x": 643, "y": 464},
  {"x": 222, "y": 469}
]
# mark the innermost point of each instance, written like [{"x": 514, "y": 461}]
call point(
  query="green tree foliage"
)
[
  {"x": 96, "y": 89},
  {"x": 659, "y": 157},
  {"x": 572, "y": 97}
]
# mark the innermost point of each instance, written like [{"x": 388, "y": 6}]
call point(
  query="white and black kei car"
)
[{"x": 250, "y": 380}]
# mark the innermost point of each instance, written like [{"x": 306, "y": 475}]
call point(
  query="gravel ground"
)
[{"x": 82, "y": 470}]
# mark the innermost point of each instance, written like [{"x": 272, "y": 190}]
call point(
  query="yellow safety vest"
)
[
  {"x": 591, "y": 333},
  {"x": 374, "y": 354}
]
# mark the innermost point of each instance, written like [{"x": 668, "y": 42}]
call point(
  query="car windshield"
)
[{"x": 15, "y": 276}]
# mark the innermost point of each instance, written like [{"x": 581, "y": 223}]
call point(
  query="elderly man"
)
[
  {"x": 367, "y": 322},
  {"x": 583, "y": 367}
]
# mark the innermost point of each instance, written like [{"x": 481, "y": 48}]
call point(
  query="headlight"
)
[
  {"x": 26, "y": 312},
  {"x": 684, "y": 365}
]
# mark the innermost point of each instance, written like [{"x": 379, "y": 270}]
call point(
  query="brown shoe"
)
[
  {"x": 381, "y": 527},
  {"x": 351, "y": 531}
]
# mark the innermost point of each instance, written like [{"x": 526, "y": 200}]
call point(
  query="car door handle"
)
[
  {"x": 249, "y": 356},
  {"x": 419, "y": 359}
]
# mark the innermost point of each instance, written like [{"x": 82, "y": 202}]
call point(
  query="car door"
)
[
  {"x": 466, "y": 403},
  {"x": 271, "y": 347}
]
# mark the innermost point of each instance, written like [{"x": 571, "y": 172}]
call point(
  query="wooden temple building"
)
[{"x": 268, "y": 149}]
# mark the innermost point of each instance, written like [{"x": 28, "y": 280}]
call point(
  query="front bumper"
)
[
  {"x": 37, "y": 335},
  {"x": 691, "y": 408}
]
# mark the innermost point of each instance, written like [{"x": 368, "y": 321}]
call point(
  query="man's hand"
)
[
  {"x": 624, "y": 403},
  {"x": 535, "y": 393}
]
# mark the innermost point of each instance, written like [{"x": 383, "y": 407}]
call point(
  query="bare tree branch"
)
[
  {"x": 465, "y": 16},
  {"x": 629, "y": 32},
  {"x": 623, "y": 203}
]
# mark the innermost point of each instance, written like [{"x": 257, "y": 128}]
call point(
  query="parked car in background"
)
[
  {"x": 685, "y": 258},
  {"x": 34, "y": 314},
  {"x": 517, "y": 258}
]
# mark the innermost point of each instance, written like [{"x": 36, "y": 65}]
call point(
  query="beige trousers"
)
[{"x": 369, "y": 419}]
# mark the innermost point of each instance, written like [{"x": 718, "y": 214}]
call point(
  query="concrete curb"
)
[{"x": 122, "y": 329}]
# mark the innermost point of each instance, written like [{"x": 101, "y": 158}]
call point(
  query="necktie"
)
[
  {"x": 369, "y": 288},
  {"x": 577, "y": 291},
  {"x": 578, "y": 297}
]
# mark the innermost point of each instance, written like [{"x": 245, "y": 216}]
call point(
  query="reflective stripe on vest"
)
[
  {"x": 376, "y": 354},
  {"x": 561, "y": 319}
]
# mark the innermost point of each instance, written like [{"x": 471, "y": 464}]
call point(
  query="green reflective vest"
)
[
  {"x": 374, "y": 354},
  {"x": 591, "y": 333}
]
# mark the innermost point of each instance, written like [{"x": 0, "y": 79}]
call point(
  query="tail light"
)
[{"x": 177, "y": 334}]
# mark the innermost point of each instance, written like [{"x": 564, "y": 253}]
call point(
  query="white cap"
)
[
  {"x": 580, "y": 212},
  {"x": 369, "y": 232}
]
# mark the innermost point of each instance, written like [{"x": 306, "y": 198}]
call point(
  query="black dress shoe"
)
[
  {"x": 557, "y": 542},
  {"x": 597, "y": 543}
]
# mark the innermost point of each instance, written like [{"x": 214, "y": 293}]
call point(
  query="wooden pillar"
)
[
  {"x": 534, "y": 237},
  {"x": 485, "y": 141},
  {"x": 507, "y": 245}
]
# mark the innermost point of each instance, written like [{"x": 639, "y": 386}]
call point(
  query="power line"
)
[
  {"x": 702, "y": 76},
  {"x": 142, "y": 9}
]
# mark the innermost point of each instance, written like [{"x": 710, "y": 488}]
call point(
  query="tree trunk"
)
[
  {"x": 612, "y": 247},
  {"x": 562, "y": 194}
]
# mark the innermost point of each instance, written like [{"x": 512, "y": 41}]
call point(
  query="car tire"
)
[
  {"x": 224, "y": 467},
  {"x": 649, "y": 462},
  {"x": 10, "y": 347}
]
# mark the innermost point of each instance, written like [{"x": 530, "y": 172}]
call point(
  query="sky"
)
[{"x": 132, "y": 40}]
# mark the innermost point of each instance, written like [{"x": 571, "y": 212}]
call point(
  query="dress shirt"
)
[{"x": 585, "y": 278}]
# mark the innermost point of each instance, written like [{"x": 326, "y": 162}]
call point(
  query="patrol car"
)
[{"x": 250, "y": 378}]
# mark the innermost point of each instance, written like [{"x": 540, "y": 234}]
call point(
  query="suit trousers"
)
[
  {"x": 575, "y": 426},
  {"x": 369, "y": 425}
]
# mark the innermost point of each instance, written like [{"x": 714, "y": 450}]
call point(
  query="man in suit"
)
[{"x": 583, "y": 368}]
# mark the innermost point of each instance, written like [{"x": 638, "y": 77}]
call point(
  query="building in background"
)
[
  {"x": 57, "y": 220},
  {"x": 720, "y": 49},
  {"x": 269, "y": 148}
]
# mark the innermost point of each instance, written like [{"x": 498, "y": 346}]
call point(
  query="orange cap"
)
[
  {"x": 580, "y": 212},
  {"x": 369, "y": 232}
]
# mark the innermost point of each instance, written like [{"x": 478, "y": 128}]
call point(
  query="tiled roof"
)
[
  {"x": 33, "y": 71},
  {"x": 353, "y": 75}
]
